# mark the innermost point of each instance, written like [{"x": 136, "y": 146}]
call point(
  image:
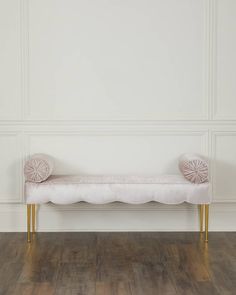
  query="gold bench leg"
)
[
  {"x": 201, "y": 211},
  {"x": 29, "y": 223},
  {"x": 206, "y": 222},
  {"x": 33, "y": 218}
]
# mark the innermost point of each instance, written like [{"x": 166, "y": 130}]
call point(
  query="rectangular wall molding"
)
[
  {"x": 223, "y": 161},
  {"x": 224, "y": 61},
  {"x": 10, "y": 61},
  {"x": 214, "y": 16},
  {"x": 11, "y": 178},
  {"x": 85, "y": 71}
]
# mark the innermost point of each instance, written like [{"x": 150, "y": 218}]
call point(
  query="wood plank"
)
[{"x": 118, "y": 264}]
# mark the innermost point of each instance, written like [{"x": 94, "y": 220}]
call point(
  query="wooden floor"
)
[{"x": 118, "y": 264}]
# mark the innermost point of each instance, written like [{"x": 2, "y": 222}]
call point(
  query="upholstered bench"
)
[{"x": 191, "y": 186}]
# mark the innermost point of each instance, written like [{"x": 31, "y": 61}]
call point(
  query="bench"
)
[{"x": 41, "y": 186}]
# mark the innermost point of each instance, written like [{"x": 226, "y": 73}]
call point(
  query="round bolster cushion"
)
[
  {"x": 194, "y": 168},
  {"x": 38, "y": 168}
]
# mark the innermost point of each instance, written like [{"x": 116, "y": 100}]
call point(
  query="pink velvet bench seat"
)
[{"x": 167, "y": 189}]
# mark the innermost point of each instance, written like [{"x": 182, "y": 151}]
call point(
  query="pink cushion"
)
[
  {"x": 194, "y": 168},
  {"x": 38, "y": 168}
]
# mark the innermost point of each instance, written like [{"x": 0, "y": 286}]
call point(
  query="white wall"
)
[{"x": 118, "y": 87}]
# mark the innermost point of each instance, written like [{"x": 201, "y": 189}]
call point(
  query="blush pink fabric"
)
[
  {"x": 38, "y": 168},
  {"x": 194, "y": 168},
  {"x": 101, "y": 189}
]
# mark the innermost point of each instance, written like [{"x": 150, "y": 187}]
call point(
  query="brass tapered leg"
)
[
  {"x": 201, "y": 211},
  {"x": 29, "y": 223},
  {"x": 33, "y": 218},
  {"x": 206, "y": 222}
]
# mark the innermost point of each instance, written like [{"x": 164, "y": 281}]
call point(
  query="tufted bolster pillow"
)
[
  {"x": 38, "y": 168},
  {"x": 194, "y": 168}
]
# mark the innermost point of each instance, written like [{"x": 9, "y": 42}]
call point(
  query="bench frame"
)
[{"x": 31, "y": 220}]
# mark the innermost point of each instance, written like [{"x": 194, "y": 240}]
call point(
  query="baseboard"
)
[{"x": 118, "y": 217}]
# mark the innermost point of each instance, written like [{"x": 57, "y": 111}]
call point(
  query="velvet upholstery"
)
[
  {"x": 194, "y": 168},
  {"x": 42, "y": 187},
  {"x": 168, "y": 189},
  {"x": 38, "y": 168}
]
